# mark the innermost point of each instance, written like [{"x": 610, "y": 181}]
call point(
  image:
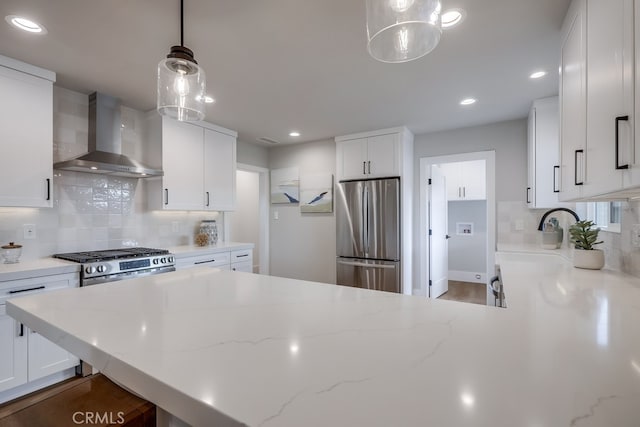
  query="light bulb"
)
[
  {"x": 400, "y": 5},
  {"x": 402, "y": 40},
  {"x": 181, "y": 85}
]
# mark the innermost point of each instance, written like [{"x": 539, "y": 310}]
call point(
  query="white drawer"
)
[
  {"x": 22, "y": 287},
  {"x": 242, "y": 255},
  {"x": 211, "y": 260},
  {"x": 246, "y": 266}
]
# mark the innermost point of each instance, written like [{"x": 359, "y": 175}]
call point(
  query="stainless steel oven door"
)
[{"x": 126, "y": 275}]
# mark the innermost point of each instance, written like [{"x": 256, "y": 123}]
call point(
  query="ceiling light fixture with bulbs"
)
[
  {"x": 181, "y": 82},
  {"x": 402, "y": 30}
]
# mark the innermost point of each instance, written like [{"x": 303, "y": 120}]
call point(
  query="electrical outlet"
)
[
  {"x": 635, "y": 235},
  {"x": 519, "y": 225},
  {"x": 29, "y": 231},
  {"x": 276, "y": 215}
]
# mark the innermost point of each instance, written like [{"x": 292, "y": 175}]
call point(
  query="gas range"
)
[{"x": 118, "y": 264}]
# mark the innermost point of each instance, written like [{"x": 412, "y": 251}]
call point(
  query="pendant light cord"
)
[{"x": 182, "y": 23}]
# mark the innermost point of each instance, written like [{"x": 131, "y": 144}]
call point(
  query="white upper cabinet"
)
[
  {"x": 543, "y": 154},
  {"x": 199, "y": 165},
  {"x": 598, "y": 96},
  {"x": 610, "y": 95},
  {"x": 183, "y": 165},
  {"x": 26, "y": 133},
  {"x": 573, "y": 101},
  {"x": 219, "y": 171},
  {"x": 373, "y": 156},
  {"x": 465, "y": 180}
]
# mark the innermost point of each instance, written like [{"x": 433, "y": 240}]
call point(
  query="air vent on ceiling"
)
[{"x": 268, "y": 140}]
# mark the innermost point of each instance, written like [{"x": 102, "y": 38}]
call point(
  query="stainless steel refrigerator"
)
[{"x": 368, "y": 234}]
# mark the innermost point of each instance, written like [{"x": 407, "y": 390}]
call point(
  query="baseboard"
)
[{"x": 467, "y": 276}]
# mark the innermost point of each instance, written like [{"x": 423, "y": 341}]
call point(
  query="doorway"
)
[
  {"x": 469, "y": 232},
  {"x": 249, "y": 223}
]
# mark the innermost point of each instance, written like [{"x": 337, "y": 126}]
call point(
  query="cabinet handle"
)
[
  {"x": 528, "y": 189},
  {"x": 575, "y": 164},
  {"x": 234, "y": 269},
  {"x": 618, "y": 120},
  {"x": 364, "y": 168},
  {"x": 26, "y": 290},
  {"x": 242, "y": 256},
  {"x": 21, "y": 334},
  {"x": 555, "y": 188},
  {"x": 204, "y": 262},
  {"x": 459, "y": 193},
  {"x": 369, "y": 164},
  {"x": 48, "y": 189},
  {"x": 464, "y": 192},
  {"x": 166, "y": 196},
  {"x": 207, "y": 198}
]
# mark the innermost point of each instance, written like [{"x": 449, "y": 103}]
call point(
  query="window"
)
[{"x": 606, "y": 215}]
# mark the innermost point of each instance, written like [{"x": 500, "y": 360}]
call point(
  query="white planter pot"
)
[{"x": 592, "y": 260}]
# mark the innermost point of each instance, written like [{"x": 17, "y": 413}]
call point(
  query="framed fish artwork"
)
[{"x": 285, "y": 185}]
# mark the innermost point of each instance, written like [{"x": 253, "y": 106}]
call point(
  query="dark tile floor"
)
[{"x": 474, "y": 293}]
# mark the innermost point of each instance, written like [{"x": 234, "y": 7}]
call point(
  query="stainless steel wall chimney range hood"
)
[{"x": 105, "y": 144}]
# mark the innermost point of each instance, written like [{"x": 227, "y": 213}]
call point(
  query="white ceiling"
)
[{"x": 278, "y": 65}]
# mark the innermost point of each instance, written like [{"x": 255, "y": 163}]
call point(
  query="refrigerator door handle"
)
[
  {"x": 366, "y": 215},
  {"x": 362, "y": 264}
]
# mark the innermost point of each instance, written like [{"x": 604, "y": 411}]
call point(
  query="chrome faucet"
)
[{"x": 546, "y": 214}]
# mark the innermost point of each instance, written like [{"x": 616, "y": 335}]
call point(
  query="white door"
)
[{"x": 438, "y": 243}]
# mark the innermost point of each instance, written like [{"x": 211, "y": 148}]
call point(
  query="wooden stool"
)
[{"x": 93, "y": 400}]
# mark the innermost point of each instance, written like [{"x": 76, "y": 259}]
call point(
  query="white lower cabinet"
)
[
  {"x": 25, "y": 355},
  {"x": 242, "y": 260},
  {"x": 13, "y": 352}
]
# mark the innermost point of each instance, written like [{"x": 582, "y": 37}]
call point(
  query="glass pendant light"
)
[
  {"x": 181, "y": 82},
  {"x": 402, "y": 30}
]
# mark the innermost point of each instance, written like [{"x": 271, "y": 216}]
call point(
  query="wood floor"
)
[{"x": 474, "y": 293}]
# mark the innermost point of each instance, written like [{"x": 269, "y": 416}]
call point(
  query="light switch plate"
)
[
  {"x": 276, "y": 215},
  {"x": 519, "y": 225}
]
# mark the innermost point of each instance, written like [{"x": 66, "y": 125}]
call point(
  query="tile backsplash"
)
[
  {"x": 517, "y": 224},
  {"x": 90, "y": 211}
]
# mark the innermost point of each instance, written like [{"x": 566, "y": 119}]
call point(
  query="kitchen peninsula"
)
[{"x": 214, "y": 347}]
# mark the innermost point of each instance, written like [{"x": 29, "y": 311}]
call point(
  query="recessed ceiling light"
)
[
  {"x": 294, "y": 133},
  {"x": 209, "y": 100},
  {"x": 468, "y": 101},
  {"x": 452, "y": 17},
  {"x": 538, "y": 74},
  {"x": 25, "y": 24}
]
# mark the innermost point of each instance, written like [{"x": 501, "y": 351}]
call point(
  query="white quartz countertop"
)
[
  {"x": 223, "y": 348},
  {"x": 36, "y": 268},
  {"x": 193, "y": 250}
]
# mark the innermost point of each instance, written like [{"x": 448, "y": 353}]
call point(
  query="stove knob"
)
[
  {"x": 170, "y": 259},
  {"x": 156, "y": 261},
  {"x": 101, "y": 268},
  {"x": 163, "y": 260},
  {"x": 89, "y": 270}
]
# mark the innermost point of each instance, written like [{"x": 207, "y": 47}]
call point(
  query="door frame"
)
[
  {"x": 490, "y": 180},
  {"x": 263, "y": 214}
]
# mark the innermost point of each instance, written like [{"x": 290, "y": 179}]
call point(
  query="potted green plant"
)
[{"x": 584, "y": 236}]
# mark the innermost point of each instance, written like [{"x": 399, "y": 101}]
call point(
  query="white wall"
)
[
  {"x": 303, "y": 246},
  {"x": 468, "y": 253},
  {"x": 244, "y": 222},
  {"x": 252, "y": 154}
]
